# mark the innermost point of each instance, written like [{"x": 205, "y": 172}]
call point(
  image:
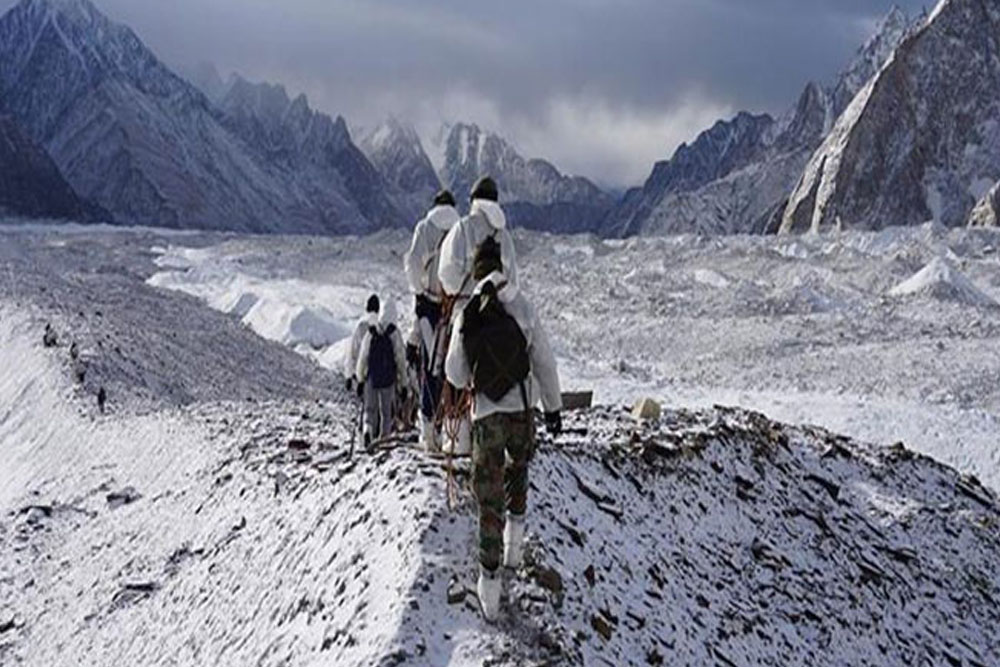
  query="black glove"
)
[
  {"x": 553, "y": 423},
  {"x": 412, "y": 354},
  {"x": 361, "y": 389},
  {"x": 349, "y": 384}
]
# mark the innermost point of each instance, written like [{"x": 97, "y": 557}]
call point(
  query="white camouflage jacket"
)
[
  {"x": 422, "y": 260},
  {"x": 486, "y": 218}
]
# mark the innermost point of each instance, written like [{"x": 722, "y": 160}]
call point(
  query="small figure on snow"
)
[
  {"x": 49, "y": 338},
  {"x": 368, "y": 320},
  {"x": 381, "y": 373}
]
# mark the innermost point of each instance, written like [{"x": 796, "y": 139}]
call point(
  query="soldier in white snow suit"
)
[
  {"x": 421, "y": 264},
  {"x": 381, "y": 370},
  {"x": 369, "y": 319},
  {"x": 499, "y": 350},
  {"x": 486, "y": 219}
]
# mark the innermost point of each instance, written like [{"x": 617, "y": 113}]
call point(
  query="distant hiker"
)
[
  {"x": 368, "y": 320},
  {"x": 49, "y": 338},
  {"x": 500, "y": 351},
  {"x": 421, "y": 263},
  {"x": 485, "y": 219},
  {"x": 381, "y": 370}
]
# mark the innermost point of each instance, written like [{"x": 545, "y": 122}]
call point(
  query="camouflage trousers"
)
[{"x": 502, "y": 446}]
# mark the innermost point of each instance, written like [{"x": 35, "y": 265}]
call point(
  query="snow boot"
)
[
  {"x": 513, "y": 541},
  {"x": 489, "y": 593}
]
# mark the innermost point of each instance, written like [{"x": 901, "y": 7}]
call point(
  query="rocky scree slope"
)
[
  {"x": 715, "y": 536},
  {"x": 149, "y": 349}
]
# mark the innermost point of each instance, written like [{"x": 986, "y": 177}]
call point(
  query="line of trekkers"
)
[{"x": 482, "y": 362}]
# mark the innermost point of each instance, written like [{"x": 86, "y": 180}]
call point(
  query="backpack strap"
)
[{"x": 437, "y": 252}]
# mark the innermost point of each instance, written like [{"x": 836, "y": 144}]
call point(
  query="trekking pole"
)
[{"x": 355, "y": 427}]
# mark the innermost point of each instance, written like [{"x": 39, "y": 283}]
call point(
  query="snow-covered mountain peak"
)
[
  {"x": 82, "y": 11},
  {"x": 871, "y": 57},
  {"x": 206, "y": 78},
  {"x": 736, "y": 176},
  {"x": 394, "y": 147},
  {"x": 535, "y": 192},
  {"x": 266, "y": 99},
  {"x": 393, "y": 132},
  {"x": 69, "y": 46}
]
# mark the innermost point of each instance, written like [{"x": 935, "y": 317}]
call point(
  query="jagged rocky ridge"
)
[
  {"x": 736, "y": 177},
  {"x": 330, "y": 172},
  {"x": 132, "y": 136},
  {"x": 921, "y": 141},
  {"x": 534, "y": 193},
  {"x": 397, "y": 152},
  {"x": 30, "y": 182}
]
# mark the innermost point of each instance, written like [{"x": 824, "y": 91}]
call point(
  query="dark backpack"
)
[
  {"x": 494, "y": 345},
  {"x": 382, "y": 358}
]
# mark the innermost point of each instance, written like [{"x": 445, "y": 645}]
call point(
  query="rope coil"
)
[{"x": 454, "y": 406}]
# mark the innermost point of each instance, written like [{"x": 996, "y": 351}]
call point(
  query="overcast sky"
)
[{"x": 602, "y": 88}]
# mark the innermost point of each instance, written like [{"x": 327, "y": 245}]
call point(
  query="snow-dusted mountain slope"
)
[
  {"x": 397, "y": 152},
  {"x": 236, "y": 529},
  {"x": 135, "y": 138},
  {"x": 30, "y": 182},
  {"x": 921, "y": 142},
  {"x": 536, "y": 194},
  {"x": 205, "y": 76},
  {"x": 736, "y": 176},
  {"x": 330, "y": 174},
  {"x": 134, "y": 340}
]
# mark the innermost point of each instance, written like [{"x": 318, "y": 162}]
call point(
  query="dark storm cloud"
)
[{"x": 602, "y": 87}]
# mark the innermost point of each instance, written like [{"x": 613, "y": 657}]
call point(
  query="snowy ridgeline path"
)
[{"x": 236, "y": 533}]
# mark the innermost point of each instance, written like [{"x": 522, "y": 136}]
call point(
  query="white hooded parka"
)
[
  {"x": 386, "y": 318},
  {"x": 423, "y": 258},
  {"x": 486, "y": 218}
]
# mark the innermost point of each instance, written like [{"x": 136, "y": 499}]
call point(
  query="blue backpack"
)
[{"x": 382, "y": 358}]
